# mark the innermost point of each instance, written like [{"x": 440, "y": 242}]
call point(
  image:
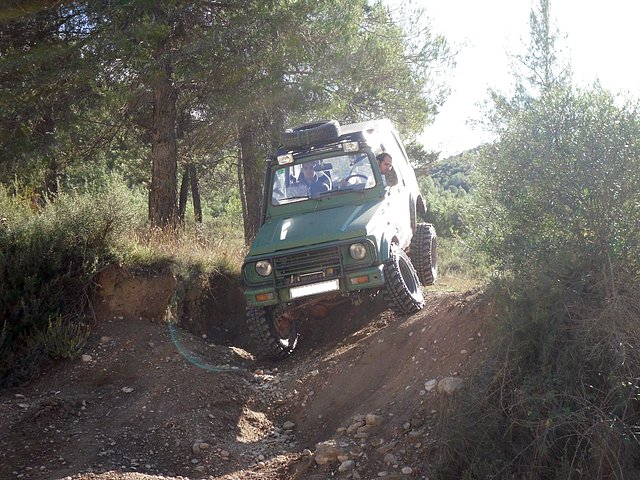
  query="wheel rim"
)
[{"x": 283, "y": 327}]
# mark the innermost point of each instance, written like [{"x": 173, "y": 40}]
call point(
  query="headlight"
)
[
  {"x": 357, "y": 251},
  {"x": 285, "y": 159},
  {"x": 263, "y": 267},
  {"x": 350, "y": 146}
]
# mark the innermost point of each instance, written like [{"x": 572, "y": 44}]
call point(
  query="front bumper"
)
[{"x": 361, "y": 279}]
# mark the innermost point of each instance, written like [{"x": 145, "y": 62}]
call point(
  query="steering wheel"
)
[{"x": 355, "y": 175}]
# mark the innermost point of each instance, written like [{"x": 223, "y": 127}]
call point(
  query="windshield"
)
[{"x": 315, "y": 178}]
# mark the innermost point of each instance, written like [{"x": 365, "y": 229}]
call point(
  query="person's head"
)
[
  {"x": 308, "y": 170},
  {"x": 385, "y": 162}
]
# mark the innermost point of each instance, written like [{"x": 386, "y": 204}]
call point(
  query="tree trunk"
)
[
  {"x": 164, "y": 154},
  {"x": 46, "y": 131},
  {"x": 251, "y": 176},
  {"x": 195, "y": 192},
  {"x": 184, "y": 195}
]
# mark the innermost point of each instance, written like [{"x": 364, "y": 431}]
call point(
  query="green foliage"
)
[
  {"x": 444, "y": 207},
  {"x": 448, "y": 193},
  {"x": 557, "y": 213},
  {"x": 460, "y": 266},
  {"x": 62, "y": 338},
  {"x": 48, "y": 259},
  {"x": 561, "y": 186}
]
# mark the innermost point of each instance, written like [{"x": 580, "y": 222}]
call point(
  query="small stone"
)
[
  {"x": 373, "y": 420},
  {"x": 224, "y": 453},
  {"x": 390, "y": 459},
  {"x": 199, "y": 468},
  {"x": 195, "y": 461},
  {"x": 288, "y": 425},
  {"x": 384, "y": 473},
  {"x": 376, "y": 442},
  {"x": 417, "y": 422},
  {"x": 314, "y": 373},
  {"x": 127, "y": 389},
  {"x": 449, "y": 385},
  {"x": 104, "y": 339},
  {"x": 326, "y": 452},
  {"x": 384, "y": 449},
  {"x": 86, "y": 358},
  {"x": 346, "y": 466},
  {"x": 407, "y": 470},
  {"x": 430, "y": 385},
  {"x": 355, "y": 426},
  {"x": 366, "y": 429}
]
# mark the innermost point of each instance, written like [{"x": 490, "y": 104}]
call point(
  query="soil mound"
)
[{"x": 150, "y": 401}]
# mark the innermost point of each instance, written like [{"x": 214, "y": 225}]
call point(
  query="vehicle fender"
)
[
  {"x": 421, "y": 209},
  {"x": 388, "y": 238}
]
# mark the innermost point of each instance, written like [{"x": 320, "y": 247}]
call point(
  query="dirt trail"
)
[{"x": 153, "y": 401}]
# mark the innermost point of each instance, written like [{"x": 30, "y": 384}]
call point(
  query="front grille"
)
[{"x": 307, "y": 267}]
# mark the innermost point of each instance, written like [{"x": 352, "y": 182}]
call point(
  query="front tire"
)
[
  {"x": 274, "y": 334},
  {"x": 424, "y": 253},
  {"x": 403, "y": 290}
]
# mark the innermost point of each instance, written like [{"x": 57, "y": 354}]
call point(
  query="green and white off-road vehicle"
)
[{"x": 352, "y": 232}]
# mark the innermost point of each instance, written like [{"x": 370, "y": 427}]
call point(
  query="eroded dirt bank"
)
[{"x": 151, "y": 401}]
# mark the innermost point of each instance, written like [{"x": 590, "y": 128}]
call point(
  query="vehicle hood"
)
[{"x": 334, "y": 224}]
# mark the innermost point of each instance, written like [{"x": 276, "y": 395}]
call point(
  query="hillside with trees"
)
[{"x": 120, "y": 118}]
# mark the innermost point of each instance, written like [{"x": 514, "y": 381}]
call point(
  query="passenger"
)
[
  {"x": 310, "y": 183},
  {"x": 385, "y": 162}
]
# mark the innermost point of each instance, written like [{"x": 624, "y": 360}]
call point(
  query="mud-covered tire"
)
[
  {"x": 402, "y": 290},
  {"x": 310, "y": 133},
  {"x": 424, "y": 253},
  {"x": 263, "y": 327}
]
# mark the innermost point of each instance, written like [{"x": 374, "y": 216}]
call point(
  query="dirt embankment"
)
[{"x": 150, "y": 401}]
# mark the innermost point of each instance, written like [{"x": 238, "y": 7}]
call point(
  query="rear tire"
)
[
  {"x": 403, "y": 290},
  {"x": 424, "y": 253},
  {"x": 275, "y": 336}
]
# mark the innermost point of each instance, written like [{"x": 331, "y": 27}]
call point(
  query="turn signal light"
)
[
  {"x": 263, "y": 297},
  {"x": 359, "y": 280}
]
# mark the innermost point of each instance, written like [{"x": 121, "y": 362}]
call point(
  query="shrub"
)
[
  {"x": 48, "y": 259},
  {"x": 63, "y": 338},
  {"x": 558, "y": 396},
  {"x": 559, "y": 210}
]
